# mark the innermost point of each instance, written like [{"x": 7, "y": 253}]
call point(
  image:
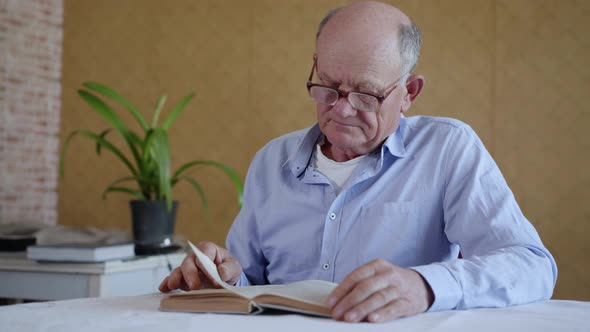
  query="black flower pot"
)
[{"x": 153, "y": 227}]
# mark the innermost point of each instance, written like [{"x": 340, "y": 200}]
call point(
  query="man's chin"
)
[{"x": 342, "y": 141}]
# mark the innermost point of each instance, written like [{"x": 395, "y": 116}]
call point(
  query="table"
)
[
  {"x": 21, "y": 278},
  {"x": 140, "y": 313}
]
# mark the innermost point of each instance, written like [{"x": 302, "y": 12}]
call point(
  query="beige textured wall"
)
[{"x": 517, "y": 71}]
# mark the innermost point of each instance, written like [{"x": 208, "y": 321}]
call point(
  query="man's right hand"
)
[{"x": 189, "y": 275}]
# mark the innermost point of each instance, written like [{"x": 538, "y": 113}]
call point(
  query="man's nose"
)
[{"x": 343, "y": 107}]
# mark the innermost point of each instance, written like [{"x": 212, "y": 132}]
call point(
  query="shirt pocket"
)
[
  {"x": 389, "y": 231},
  {"x": 392, "y": 216}
]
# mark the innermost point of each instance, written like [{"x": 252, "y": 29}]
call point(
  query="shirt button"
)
[
  {"x": 332, "y": 216},
  {"x": 326, "y": 266}
]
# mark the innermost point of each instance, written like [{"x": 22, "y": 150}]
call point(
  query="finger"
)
[
  {"x": 211, "y": 250},
  {"x": 395, "y": 309},
  {"x": 164, "y": 285},
  {"x": 366, "y": 271},
  {"x": 174, "y": 279},
  {"x": 359, "y": 293},
  {"x": 219, "y": 256},
  {"x": 230, "y": 270},
  {"x": 205, "y": 281},
  {"x": 376, "y": 301},
  {"x": 190, "y": 273},
  {"x": 183, "y": 285}
]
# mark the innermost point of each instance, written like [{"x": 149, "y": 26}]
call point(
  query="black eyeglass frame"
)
[{"x": 342, "y": 93}]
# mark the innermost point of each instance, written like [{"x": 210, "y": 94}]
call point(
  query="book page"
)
[
  {"x": 210, "y": 267},
  {"x": 313, "y": 291}
]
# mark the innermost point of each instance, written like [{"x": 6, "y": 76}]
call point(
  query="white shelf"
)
[
  {"x": 20, "y": 263},
  {"x": 26, "y": 279}
]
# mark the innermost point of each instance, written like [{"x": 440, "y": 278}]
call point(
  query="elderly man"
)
[{"x": 377, "y": 202}]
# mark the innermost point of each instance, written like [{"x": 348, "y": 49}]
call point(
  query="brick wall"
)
[{"x": 30, "y": 70}]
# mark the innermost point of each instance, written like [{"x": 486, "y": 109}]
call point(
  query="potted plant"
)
[{"x": 153, "y": 210}]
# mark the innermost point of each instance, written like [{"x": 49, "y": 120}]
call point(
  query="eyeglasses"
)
[{"x": 360, "y": 101}]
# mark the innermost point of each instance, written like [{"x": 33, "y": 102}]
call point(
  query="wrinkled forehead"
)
[
  {"x": 357, "y": 63},
  {"x": 360, "y": 47}
]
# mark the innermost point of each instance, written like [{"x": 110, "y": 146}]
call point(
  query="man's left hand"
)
[{"x": 380, "y": 291}]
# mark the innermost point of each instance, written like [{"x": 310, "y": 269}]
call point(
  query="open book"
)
[{"x": 303, "y": 297}]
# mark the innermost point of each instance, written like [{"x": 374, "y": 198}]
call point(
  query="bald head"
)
[
  {"x": 371, "y": 28},
  {"x": 360, "y": 50}
]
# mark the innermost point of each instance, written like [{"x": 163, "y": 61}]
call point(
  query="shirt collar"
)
[
  {"x": 299, "y": 160},
  {"x": 395, "y": 142}
]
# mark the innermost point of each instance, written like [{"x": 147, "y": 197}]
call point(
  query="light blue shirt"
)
[{"x": 430, "y": 191}]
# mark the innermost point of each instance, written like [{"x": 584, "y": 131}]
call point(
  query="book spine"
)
[{"x": 254, "y": 308}]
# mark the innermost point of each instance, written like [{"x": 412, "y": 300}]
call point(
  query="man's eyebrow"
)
[
  {"x": 368, "y": 87},
  {"x": 325, "y": 78},
  {"x": 363, "y": 86}
]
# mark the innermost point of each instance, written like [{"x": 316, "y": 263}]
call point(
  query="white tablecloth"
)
[{"x": 141, "y": 314}]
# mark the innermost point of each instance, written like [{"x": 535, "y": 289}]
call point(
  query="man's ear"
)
[{"x": 414, "y": 85}]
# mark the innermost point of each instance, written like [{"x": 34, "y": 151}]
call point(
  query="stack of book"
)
[{"x": 80, "y": 252}]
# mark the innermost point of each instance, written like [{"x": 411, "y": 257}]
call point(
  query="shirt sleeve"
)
[
  {"x": 504, "y": 261},
  {"x": 243, "y": 237}
]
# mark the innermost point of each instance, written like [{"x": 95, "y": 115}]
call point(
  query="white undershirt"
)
[{"x": 337, "y": 172}]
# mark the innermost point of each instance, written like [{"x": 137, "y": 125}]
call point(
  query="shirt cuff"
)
[
  {"x": 445, "y": 288},
  {"x": 243, "y": 280}
]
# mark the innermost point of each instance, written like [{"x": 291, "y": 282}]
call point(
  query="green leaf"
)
[
  {"x": 148, "y": 158},
  {"x": 158, "y": 153},
  {"x": 159, "y": 106},
  {"x": 112, "y": 94},
  {"x": 176, "y": 111},
  {"x": 103, "y": 109},
  {"x": 135, "y": 139},
  {"x": 103, "y": 134},
  {"x": 119, "y": 180},
  {"x": 201, "y": 192},
  {"x": 150, "y": 168},
  {"x": 133, "y": 192},
  {"x": 99, "y": 140},
  {"x": 231, "y": 173}
]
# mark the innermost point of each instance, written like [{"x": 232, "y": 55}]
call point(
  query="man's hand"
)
[
  {"x": 189, "y": 275},
  {"x": 379, "y": 291}
]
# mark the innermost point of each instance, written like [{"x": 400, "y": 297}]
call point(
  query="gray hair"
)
[
  {"x": 325, "y": 20},
  {"x": 409, "y": 45},
  {"x": 409, "y": 41}
]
